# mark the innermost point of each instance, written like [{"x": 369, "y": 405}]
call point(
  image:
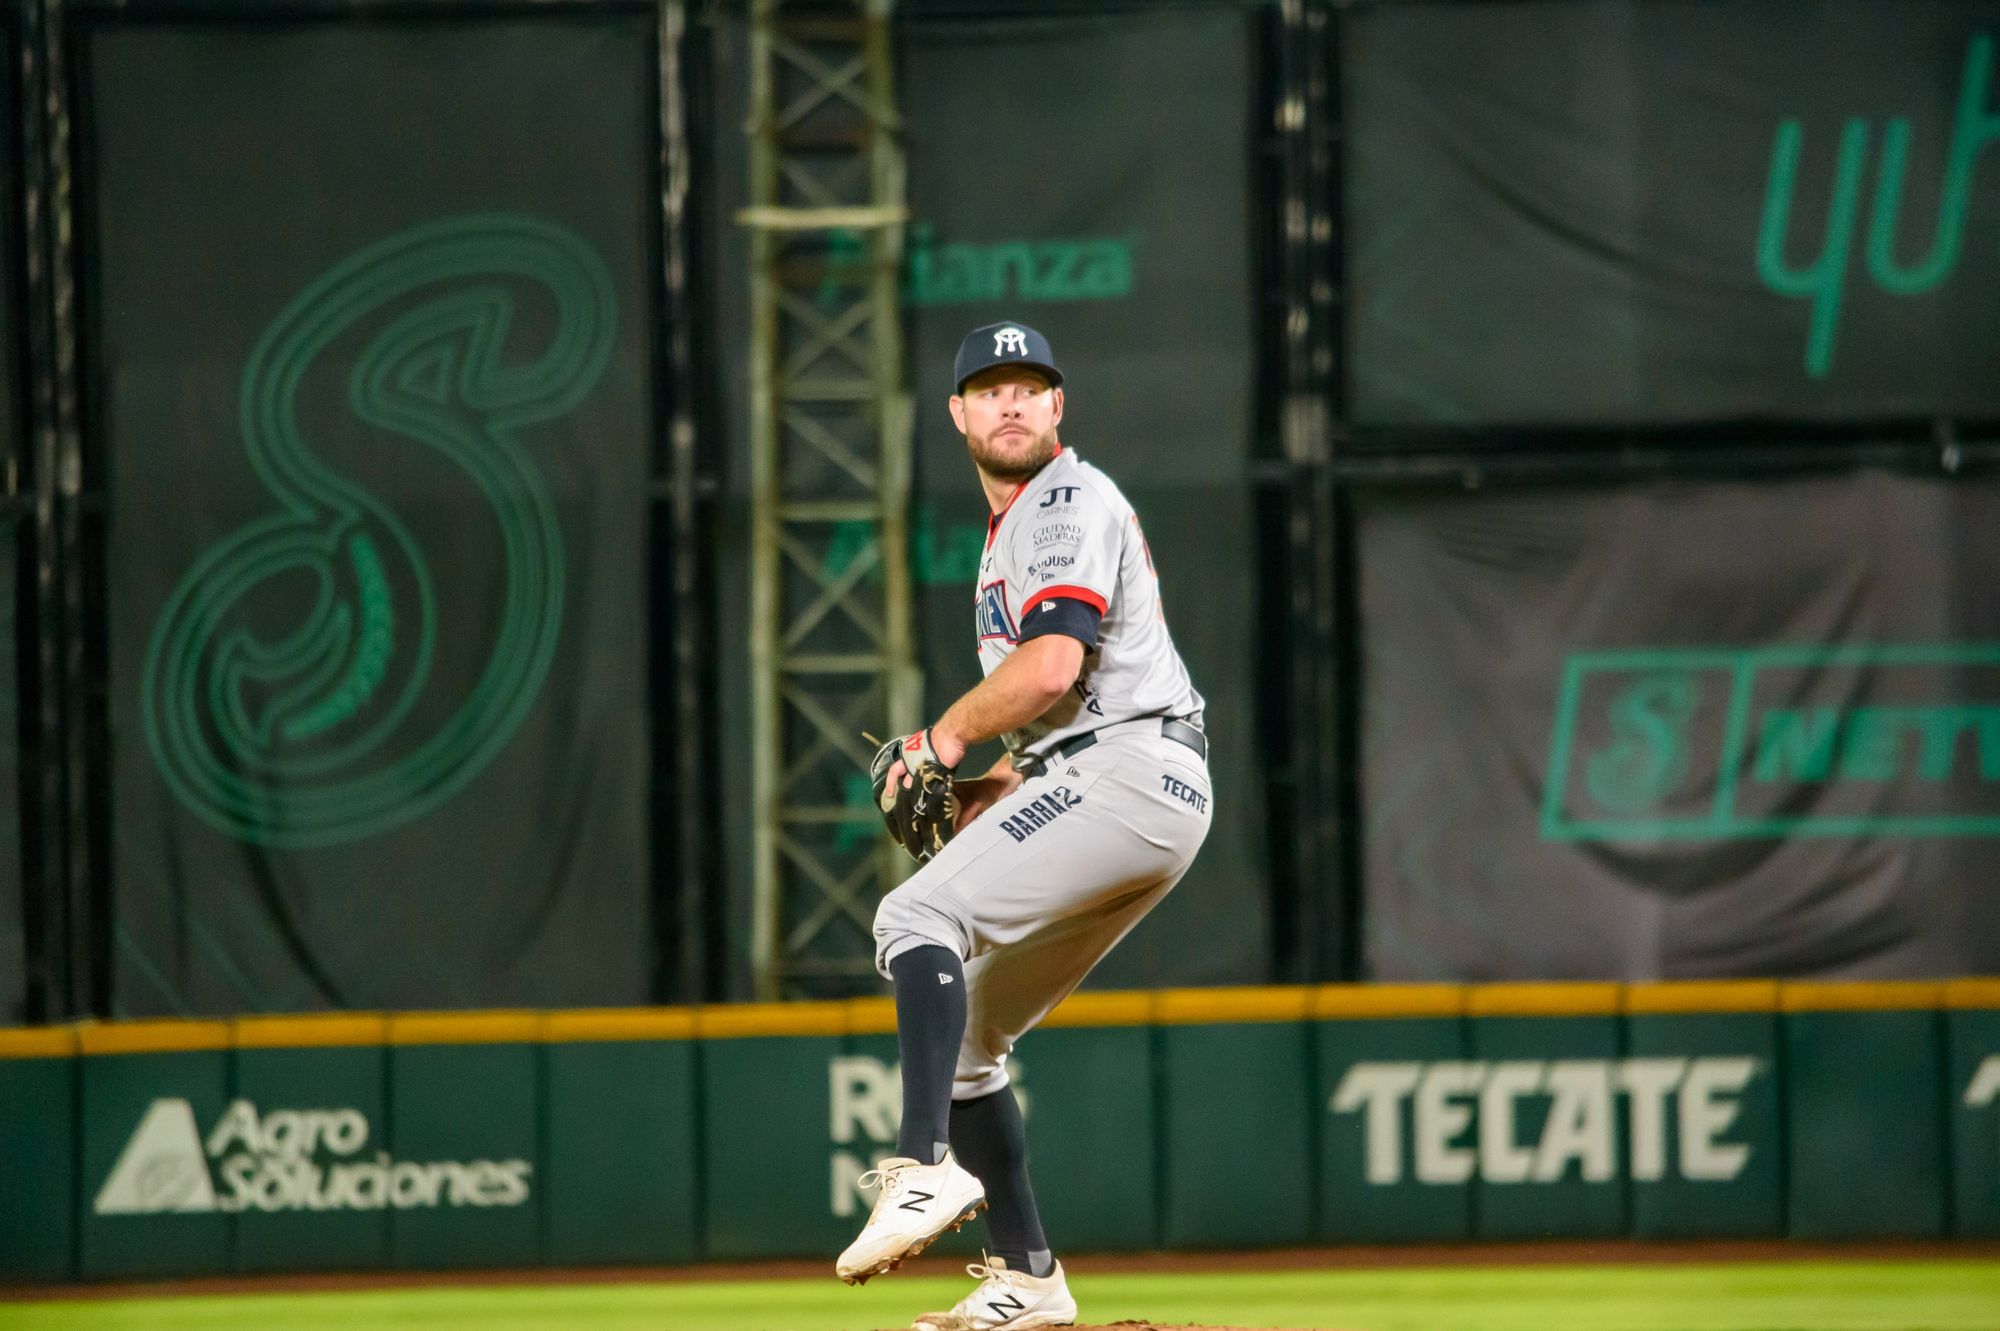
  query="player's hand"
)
[
  {"x": 914, "y": 790},
  {"x": 983, "y": 792},
  {"x": 949, "y": 749}
]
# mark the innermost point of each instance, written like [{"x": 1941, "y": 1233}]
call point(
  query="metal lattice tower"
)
[{"x": 830, "y": 648}]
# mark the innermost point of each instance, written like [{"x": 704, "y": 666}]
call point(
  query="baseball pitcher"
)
[{"x": 1034, "y": 870}]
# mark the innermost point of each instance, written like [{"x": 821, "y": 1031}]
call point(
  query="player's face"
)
[{"x": 1008, "y": 416}]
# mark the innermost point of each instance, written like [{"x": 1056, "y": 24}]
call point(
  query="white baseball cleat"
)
[
  {"x": 1006, "y": 1301},
  {"x": 918, "y": 1203}
]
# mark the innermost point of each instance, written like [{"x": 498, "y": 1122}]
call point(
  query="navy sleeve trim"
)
[{"x": 1065, "y": 615}]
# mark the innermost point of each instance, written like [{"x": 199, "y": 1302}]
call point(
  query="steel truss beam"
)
[{"x": 830, "y": 650}]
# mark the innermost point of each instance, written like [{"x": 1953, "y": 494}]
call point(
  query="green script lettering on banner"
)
[
  {"x": 1822, "y": 281},
  {"x": 302, "y": 740},
  {"x": 960, "y": 273},
  {"x": 1712, "y": 743},
  {"x": 1973, "y": 1105}
]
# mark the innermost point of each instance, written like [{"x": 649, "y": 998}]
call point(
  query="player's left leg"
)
[{"x": 990, "y": 1139}]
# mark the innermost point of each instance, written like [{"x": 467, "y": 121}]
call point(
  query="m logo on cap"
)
[{"x": 1010, "y": 339}]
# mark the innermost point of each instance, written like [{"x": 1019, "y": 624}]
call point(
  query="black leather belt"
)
[{"x": 1178, "y": 731}]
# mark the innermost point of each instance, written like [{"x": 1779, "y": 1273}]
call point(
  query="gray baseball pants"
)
[{"x": 1038, "y": 888}]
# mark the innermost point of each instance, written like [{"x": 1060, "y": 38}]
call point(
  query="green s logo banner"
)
[
  {"x": 1725, "y": 743},
  {"x": 302, "y": 733},
  {"x": 1647, "y": 758}
]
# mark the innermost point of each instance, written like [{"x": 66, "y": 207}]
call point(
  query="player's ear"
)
[
  {"x": 958, "y": 412},
  {"x": 1058, "y": 403}
]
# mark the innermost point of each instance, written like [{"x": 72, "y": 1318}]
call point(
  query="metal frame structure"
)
[
  {"x": 1313, "y": 728},
  {"x": 65, "y": 919},
  {"x": 831, "y": 642}
]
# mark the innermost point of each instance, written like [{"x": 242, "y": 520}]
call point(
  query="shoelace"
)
[
  {"x": 981, "y": 1272},
  {"x": 889, "y": 1180}
]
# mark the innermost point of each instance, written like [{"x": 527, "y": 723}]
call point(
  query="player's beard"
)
[{"x": 1011, "y": 466}]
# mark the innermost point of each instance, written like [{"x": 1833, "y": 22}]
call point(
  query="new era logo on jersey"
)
[
  {"x": 995, "y": 620},
  {"x": 1039, "y": 812}
]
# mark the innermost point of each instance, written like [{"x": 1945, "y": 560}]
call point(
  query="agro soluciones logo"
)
[{"x": 287, "y": 1160}]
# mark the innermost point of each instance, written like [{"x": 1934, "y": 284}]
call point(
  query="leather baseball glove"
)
[{"x": 922, "y": 815}]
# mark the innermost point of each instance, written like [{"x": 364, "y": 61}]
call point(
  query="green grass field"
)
[{"x": 1786, "y": 1296}]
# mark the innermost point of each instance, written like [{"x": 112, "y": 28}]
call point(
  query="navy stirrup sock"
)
[
  {"x": 989, "y": 1138},
  {"x": 930, "y": 1024}
]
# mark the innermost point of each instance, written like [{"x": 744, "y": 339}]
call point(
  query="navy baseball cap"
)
[{"x": 1004, "y": 344}]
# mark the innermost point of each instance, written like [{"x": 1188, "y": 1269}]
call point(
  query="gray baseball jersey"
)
[
  {"x": 1067, "y": 555},
  {"x": 1033, "y": 892}
]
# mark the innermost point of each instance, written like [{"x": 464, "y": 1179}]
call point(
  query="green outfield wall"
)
[{"x": 660, "y": 1136}]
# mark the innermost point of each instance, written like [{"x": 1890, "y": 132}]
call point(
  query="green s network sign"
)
[
  {"x": 290, "y": 696},
  {"x": 1822, "y": 279},
  {"x": 1714, "y": 743}
]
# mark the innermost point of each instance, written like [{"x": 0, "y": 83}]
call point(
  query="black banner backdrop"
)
[
  {"x": 372, "y": 350},
  {"x": 1120, "y": 227},
  {"x": 1043, "y": 190},
  {"x": 1634, "y": 213},
  {"x": 1598, "y": 747}
]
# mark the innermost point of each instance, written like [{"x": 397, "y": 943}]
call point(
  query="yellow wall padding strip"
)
[
  {"x": 38, "y": 1042},
  {"x": 1860, "y": 996},
  {"x": 877, "y": 1016},
  {"x": 739, "y": 1019},
  {"x": 619, "y": 1023},
  {"x": 1112, "y": 1008},
  {"x": 871, "y": 1016},
  {"x": 1671, "y": 996},
  {"x": 1333, "y": 1001},
  {"x": 320, "y": 1030},
  {"x": 465, "y": 1027},
  {"x": 1190, "y": 1007},
  {"x": 1574, "y": 999},
  {"x": 151, "y": 1037},
  {"x": 1982, "y": 992}
]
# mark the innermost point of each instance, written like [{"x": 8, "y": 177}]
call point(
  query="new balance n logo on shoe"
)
[
  {"x": 1006, "y": 1307},
  {"x": 917, "y": 1200}
]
